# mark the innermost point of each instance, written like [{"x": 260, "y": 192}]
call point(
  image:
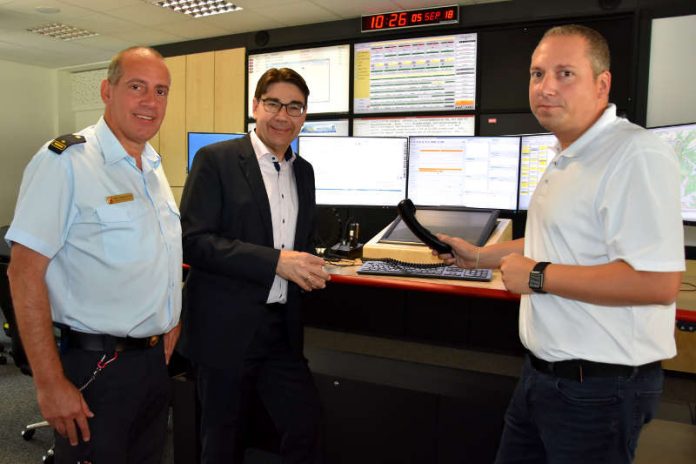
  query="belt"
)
[
  {"x": 578, "y": 369},
  {"x": 275, "y": 306},
  {"x": 106, "y": 343}
]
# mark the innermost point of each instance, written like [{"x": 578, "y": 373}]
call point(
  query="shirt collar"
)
[
  {"x": 113, "y": 151},
  {"x": 261, "y": 150},
  {"x": 607, "y": 118}
]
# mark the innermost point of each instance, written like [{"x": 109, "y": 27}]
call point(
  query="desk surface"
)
[{"x": 686, "y": 302}]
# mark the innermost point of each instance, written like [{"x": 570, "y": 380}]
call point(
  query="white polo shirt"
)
[{"x": 611, "y": 195}]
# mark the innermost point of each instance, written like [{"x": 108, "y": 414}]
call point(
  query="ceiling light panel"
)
[
  {"x": 62, "y": 31},
  {"x": 198, "y": 8}
]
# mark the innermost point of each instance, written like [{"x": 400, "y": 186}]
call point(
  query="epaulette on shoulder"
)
[{"x": 60, "y": 144}]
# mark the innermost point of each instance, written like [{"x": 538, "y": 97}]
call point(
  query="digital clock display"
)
[{"x": 410, "y": 18}]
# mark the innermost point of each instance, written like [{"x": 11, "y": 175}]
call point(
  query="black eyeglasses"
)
[{"x": 292, "y": 108}]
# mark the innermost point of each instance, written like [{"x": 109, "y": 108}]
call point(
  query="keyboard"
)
[{"x": 396, "y": 268}]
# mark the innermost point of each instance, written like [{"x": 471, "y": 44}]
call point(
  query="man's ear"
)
[
  {"x": 604, "y": 84},
  {"x": 105, "y": 91}
]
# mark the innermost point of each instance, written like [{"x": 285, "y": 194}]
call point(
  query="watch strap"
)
[{"x": 538, "y": 270}]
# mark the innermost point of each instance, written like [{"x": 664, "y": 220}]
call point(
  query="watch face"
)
[{"x": 536, "y": 279}]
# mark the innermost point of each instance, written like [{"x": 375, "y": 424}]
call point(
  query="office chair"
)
[{"x": 17, "y": 352}]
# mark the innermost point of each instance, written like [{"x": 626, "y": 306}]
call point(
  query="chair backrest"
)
[
  {"x": 20, "y": 358},
  {"x": 4, "y": 247}
]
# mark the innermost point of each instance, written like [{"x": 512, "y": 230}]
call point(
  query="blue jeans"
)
[{"x": 556, "y": 420}]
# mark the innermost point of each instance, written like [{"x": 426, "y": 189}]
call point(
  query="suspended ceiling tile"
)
[{"x": 146, "y": 14}]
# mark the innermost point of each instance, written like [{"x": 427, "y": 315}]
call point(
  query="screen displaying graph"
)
[
  {"x": 414, "y": 125},
  {"x": 415, "y": 74},
  {"x": 325, "y": 69},
  {"x": 475, "y": 172}
]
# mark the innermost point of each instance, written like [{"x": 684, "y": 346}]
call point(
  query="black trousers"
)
[
  {"x": 130, "y": 402},
  {"x": 284, "y": 384}
]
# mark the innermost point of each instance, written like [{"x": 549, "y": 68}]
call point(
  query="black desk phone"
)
[{"x": 407, "y": 211}]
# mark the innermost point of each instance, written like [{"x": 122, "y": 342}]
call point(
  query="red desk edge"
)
[{"x": 683, "y": 315}]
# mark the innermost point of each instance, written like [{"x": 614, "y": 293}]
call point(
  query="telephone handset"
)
[{"x": 407, "y": 211}]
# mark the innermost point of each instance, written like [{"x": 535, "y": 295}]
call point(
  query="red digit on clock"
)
[{"x": 402, "y": 19}]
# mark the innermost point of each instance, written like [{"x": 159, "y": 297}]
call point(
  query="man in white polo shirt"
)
[{"x": 599, "y": 267}]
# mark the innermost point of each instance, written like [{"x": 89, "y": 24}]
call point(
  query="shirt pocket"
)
[{"x": 127, "y": 233}]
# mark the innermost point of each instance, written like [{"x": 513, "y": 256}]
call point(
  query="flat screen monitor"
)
[
  {"x": 357, "y": 171},
  {"x": 682, "y": 137},
  {"x": 197, "y": 140},
  {"x": 473, "y": 225},
  {"x": 325, "y": 69},
  {"x": 331, "y": 128},
  {"x": 536, "y": 152},
  {"x": 415, "y": 74},
  {"x": 474, "y": 172},
  {"x": 414, "y": 125}
]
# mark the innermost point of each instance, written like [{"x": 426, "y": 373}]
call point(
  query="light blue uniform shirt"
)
[{"x": 115, "y": 268}]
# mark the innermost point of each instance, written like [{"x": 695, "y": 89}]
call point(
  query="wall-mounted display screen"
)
[
  {"x": 535, "y": 154},
  {"x": 357, "y": 171},
  {"x": 416, "y": 125},
  {"x": 336, "y": 127},
  {"x": 326, "y": 71},
  {"x": 682, "y": 137},
  {"x": 415, "y": 74},
  {"x": 197, "y": 140},
  {"x": 476, "y": 172}
]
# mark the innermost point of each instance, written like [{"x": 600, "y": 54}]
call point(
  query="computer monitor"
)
[
  {"x": 337, "y": 127},
  {"x": 357, "y": 171},
  {"x": 474, "y": 172},
  {"x": 325, "y": 69},
  {"x": 535, "y": 154},
  {"x": 682, "y": 137},
  {"x": 415, "y": 74},
  {"x": 414, "y": 125},
  {"x": 197, "y": 140}
]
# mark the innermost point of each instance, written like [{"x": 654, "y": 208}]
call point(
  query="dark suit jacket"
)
[{"x": 228, "y": 242}]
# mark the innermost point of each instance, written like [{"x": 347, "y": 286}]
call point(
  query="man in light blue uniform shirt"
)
[{"x": 96, "y": 250}]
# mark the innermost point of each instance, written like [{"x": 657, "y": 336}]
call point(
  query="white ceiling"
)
[{"x": 123, "y": 23}]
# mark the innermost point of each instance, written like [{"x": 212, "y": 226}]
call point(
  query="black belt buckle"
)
[{"x": 572, "y": 370}]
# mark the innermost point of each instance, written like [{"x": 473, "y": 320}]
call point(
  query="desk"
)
[
  {"x": 686, "y": 301},
  {"x": 685, "y": 361}
]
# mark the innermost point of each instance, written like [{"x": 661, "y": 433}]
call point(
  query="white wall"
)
[
  {"x": 28, "y": 118},
  {"x": 79, "y": 101}
]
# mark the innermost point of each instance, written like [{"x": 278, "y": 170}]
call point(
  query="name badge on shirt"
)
[{"x": 121, "y": 198}]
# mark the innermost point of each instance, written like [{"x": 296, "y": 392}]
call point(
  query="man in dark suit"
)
[{"x": 248, "y": 219}]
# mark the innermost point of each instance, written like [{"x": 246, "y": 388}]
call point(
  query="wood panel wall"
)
[{"x": 207, "y": 95}]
